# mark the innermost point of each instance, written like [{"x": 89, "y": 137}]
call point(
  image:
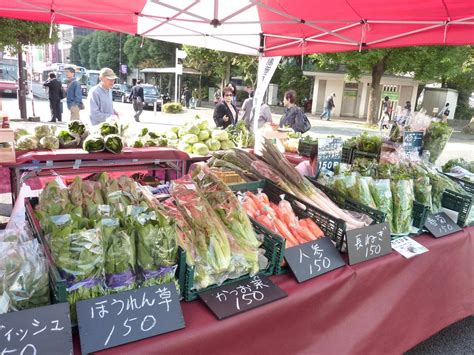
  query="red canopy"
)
[{"x": 276, "y": 27}]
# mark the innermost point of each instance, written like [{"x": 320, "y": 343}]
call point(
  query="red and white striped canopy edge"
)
[{"x": 271, "y": 27}]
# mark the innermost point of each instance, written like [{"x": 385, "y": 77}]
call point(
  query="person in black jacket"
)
[
  {"x": 225, "y": 113},
  {"x": 293, "y": 117},
  {"x": 56, "y": 94},
  {"x": 138, "y": 99}
]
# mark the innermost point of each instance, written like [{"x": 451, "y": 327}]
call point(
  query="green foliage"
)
[
  {"x": 172, "y": 107},
  {"x": 292, "y": 78},
  {"x": 17, "y": 33},
  {"x": 93, "y": 50},
  {"x": 153, "y": 53},
  {"x": 108, "y": 50},
  {"x": 83, "y": 49},
  {"x": 75, "y": 55}
]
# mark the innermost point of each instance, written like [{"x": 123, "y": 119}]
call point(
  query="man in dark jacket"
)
[
  {"x": 138, "y": 99},
  {"x": 55, "y": 96}
]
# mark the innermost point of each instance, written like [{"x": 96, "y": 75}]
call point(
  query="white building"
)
[{"x": 352, "y": 98}]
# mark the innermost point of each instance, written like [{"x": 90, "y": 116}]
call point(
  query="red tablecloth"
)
[
  {"x": 386, "y": 305},
  {"x": 73, "y": 154}
]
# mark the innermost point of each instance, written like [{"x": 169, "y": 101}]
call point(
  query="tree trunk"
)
[
  {"x": 375, "y": 93},
  {"x": 418, "y": 93},
  {"x": 21, "y": 86},
  {"x": 227, "y": 72}
]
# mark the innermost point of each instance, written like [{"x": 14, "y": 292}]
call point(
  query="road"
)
[{"x": 460, "y": 145}]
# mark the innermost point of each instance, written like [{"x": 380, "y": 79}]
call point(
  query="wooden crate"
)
[
  {"x": 7, "y": 154},
  {"x": 229, "y": 177}
]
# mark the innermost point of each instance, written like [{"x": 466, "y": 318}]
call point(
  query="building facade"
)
[{"x": 352, "y": 98}]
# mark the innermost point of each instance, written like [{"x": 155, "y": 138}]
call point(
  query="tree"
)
[
  {"x": 153, "y": 53},
  {"x": 426, "y": 63},
  {"x": 94, "y": 50},
  {"x": 75, "y": 55},
  {"x": 84, "y": 47},
  {"x": 290, "y": 77},
  {"x": 108, "y": 50},
  {"x": 14, "y": 35}
]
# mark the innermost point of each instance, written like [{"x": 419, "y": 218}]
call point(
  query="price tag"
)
[
  {"x": 329, "y": 153},
  {"x": 49, "y": 163},
  {"x": 77, "y": 164},
  {"x": 412, "y": 141},
  {"x": 124, "y": 317},
  {"x": 439, "y": 224},
  {"x": 312, "y": 259},
  {"x": 241, "y": 296},
  {"x": 42, "y": 331},
  {"x": 407, "y": 247},
  {"x": 368, "y": 243}
]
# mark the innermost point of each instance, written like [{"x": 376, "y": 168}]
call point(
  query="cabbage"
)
[
  {"x": 136, "y": 143},
  {"x": 220, "y": 135},
  {"x": 150, "y": 142},
  {"x": 19, "y": 132},
  {"x": 203, "y": 124},
  {"x": 204, "y": 135},
  {"x": 185, "y": 147},
  {"x": 171, "y": 135},
  {"x": 27, "y": 143},
  {"x": 213, "y": 144},
  {"x": 113, "y": 143},
  {"x": 200, "y": 149},
  {"x": 50, "y": 142},
  {"x": 94, "y": 143},
  {"x": 162, "y": 141},
  {"x": 182, "y": 132},
  {"x": 173, "y": 143},
  {"x": 227, "y": 145},
  {"x": 192, "y": 129},
  {"x": 76, "y": 127},
  {"x": 190, "y": 139},
  {"x": 43, "y": 131}
]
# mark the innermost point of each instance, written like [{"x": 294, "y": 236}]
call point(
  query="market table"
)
[
  {"x": 386, "y": 305},
  {"x": 75, "y": 161}
]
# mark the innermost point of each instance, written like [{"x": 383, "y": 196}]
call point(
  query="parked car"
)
[
  {"x": 121, "y": 92},
  {"x": 152, "y": 95}
]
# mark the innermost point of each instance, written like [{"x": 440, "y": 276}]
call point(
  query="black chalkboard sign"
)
[
  {"x": 312, "y": 259},
  {"x": 329, "y": 153},
  {"x": 439, "y": 224},
  {"x": 41, "y": 331},
  {"x": 128, "y": 316},
  {"x": 368, "y": 243},
  {"x": 412, "y": 141},
  {"x": 241, "y": 296}
]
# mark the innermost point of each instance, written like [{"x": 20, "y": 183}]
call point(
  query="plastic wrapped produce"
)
[
  {"x": 403, "y": 196},
  {"x": 436, "y": 137},
  {"x": 382, "y": 196}
]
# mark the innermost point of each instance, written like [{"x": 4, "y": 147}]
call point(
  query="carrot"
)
[
  {"x": 266, "y": 222},
  {"x": 296, "y": 232},
  {"x": 263, "y": 197},
  {"x": 258, "y": 203},
  {"x": 250, "y": 201},
  {"x": 307, "y": 234},
  {"x": 284, "y": 232},
  {"x": 314, "y": 228}
]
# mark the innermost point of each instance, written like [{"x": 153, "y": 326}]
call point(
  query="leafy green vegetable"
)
[
  {"x": 27, "y": 143},
  {"x": 227, "y": 145},
  {"x": 113, "y": 143},
  {"x": 190, "y": 139},
  {"x": 403, "y": 196},
  {"x": 368, "y": 143},
  {"x": 44, "y": 131},
  {"x": 436, "y": 137},
  {"x": 382, "y": 195},
  {"x": 239, "y": 135},
  {"x": 468, "y": 165},
  {"x": 200, "y": 149},
  {"x": 19, "y": 132},
  {"x": 49, "y": 142},
  {"x": 143, "y": 132},
  {"x": 93, "y": 144},
  {"x": 220, "y": 135},
  {"x": 106, "y": 128},
  {"x": 68, "y": 139},
  {"x": 76, "y": 127},
  {"x": 213, "y": 144}
]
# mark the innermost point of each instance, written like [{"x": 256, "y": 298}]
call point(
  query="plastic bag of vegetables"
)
[
  {"x": 368, "y": 143},
  {"x": 436, "y": 137},
  {"x": 93, "y": 144},
  {"x": 77, "y": 127},
  {"x": 27, "y": 143},
  {"x": 423, "y": 191},
  {"x": 382, "y": 196},
  {"x": 49, "y": 142},
  {"x": 44, "y": 131},
  {"x": 358, "y": 188},
  {"x": 68, "y": 139},
  {"x": 403, "y": 196},
  {"x": 113, "y": 143},
  {"x": 106, "y": 128}
]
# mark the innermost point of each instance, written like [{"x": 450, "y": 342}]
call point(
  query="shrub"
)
[{"x": 172, "y": 107}]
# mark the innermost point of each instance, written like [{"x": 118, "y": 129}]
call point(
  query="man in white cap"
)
[{"x": 100, "y": 98}]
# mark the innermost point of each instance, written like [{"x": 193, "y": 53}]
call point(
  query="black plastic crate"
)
[
  {"x": 459, "y": 203},
  {"x": 271, "y": 251},
  {"x": 420, "y": 213},
  {"x": 350, "y": 204},
  {"x": 466, "y": 185},
  {"x": 360, "y": 154},
  {"x": 333, "y": 228},
  {"x": 347, "y": 154},
  {"x": 307, "y": 149}
]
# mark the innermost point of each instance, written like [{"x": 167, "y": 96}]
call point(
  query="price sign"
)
[
  {"x": 41, "y": 331},
  {"x": 329, "y": 153},
  {"x": 124, "y": 317},
  {"x": 368, "y": 243},
  {"x": 440, "y": 224},
  {"x": 312, "y": 259},
  {"x": 241, "y": 296},
  {"x": 412, "y": 142}
]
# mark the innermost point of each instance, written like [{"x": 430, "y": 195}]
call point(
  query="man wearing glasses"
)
[
  {"x": 100, "y": 98},
  {"x": 225, "y": 113}
]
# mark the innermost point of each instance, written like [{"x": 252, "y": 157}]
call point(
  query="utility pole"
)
[{"x": 120, "y": 58}]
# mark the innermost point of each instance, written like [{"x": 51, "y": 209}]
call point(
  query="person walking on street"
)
[
  {"x": 187, "y": 96},
  {"x": 444, "y": 113},
  {"x": 328, "y": 106},
  {"x": 55, "y": 96},
  {"x": 225, "y": 113},
  {"x": 138, "y": 99},
  {"x": 294, "y": 117},
  {"x": 100, "y": 98},
  {"x": 247, "y": 107},
  {"x": 74, "y": 94}
]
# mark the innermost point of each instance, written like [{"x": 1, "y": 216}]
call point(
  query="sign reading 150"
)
[{"x": 327, "y": 164}]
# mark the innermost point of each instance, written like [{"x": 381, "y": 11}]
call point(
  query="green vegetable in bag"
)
[
  {"x": 106, "y": 128},
  {"x": 436, "y": 137},
  {"x": 113, "y": 143},
  {"x": 76, "y": 127},
  {"x": 94, "y": 144},
  {"x": 382, "y": 196},
  {"x": 68, "y": 139},
  {"x": 403, "y": 196}
]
